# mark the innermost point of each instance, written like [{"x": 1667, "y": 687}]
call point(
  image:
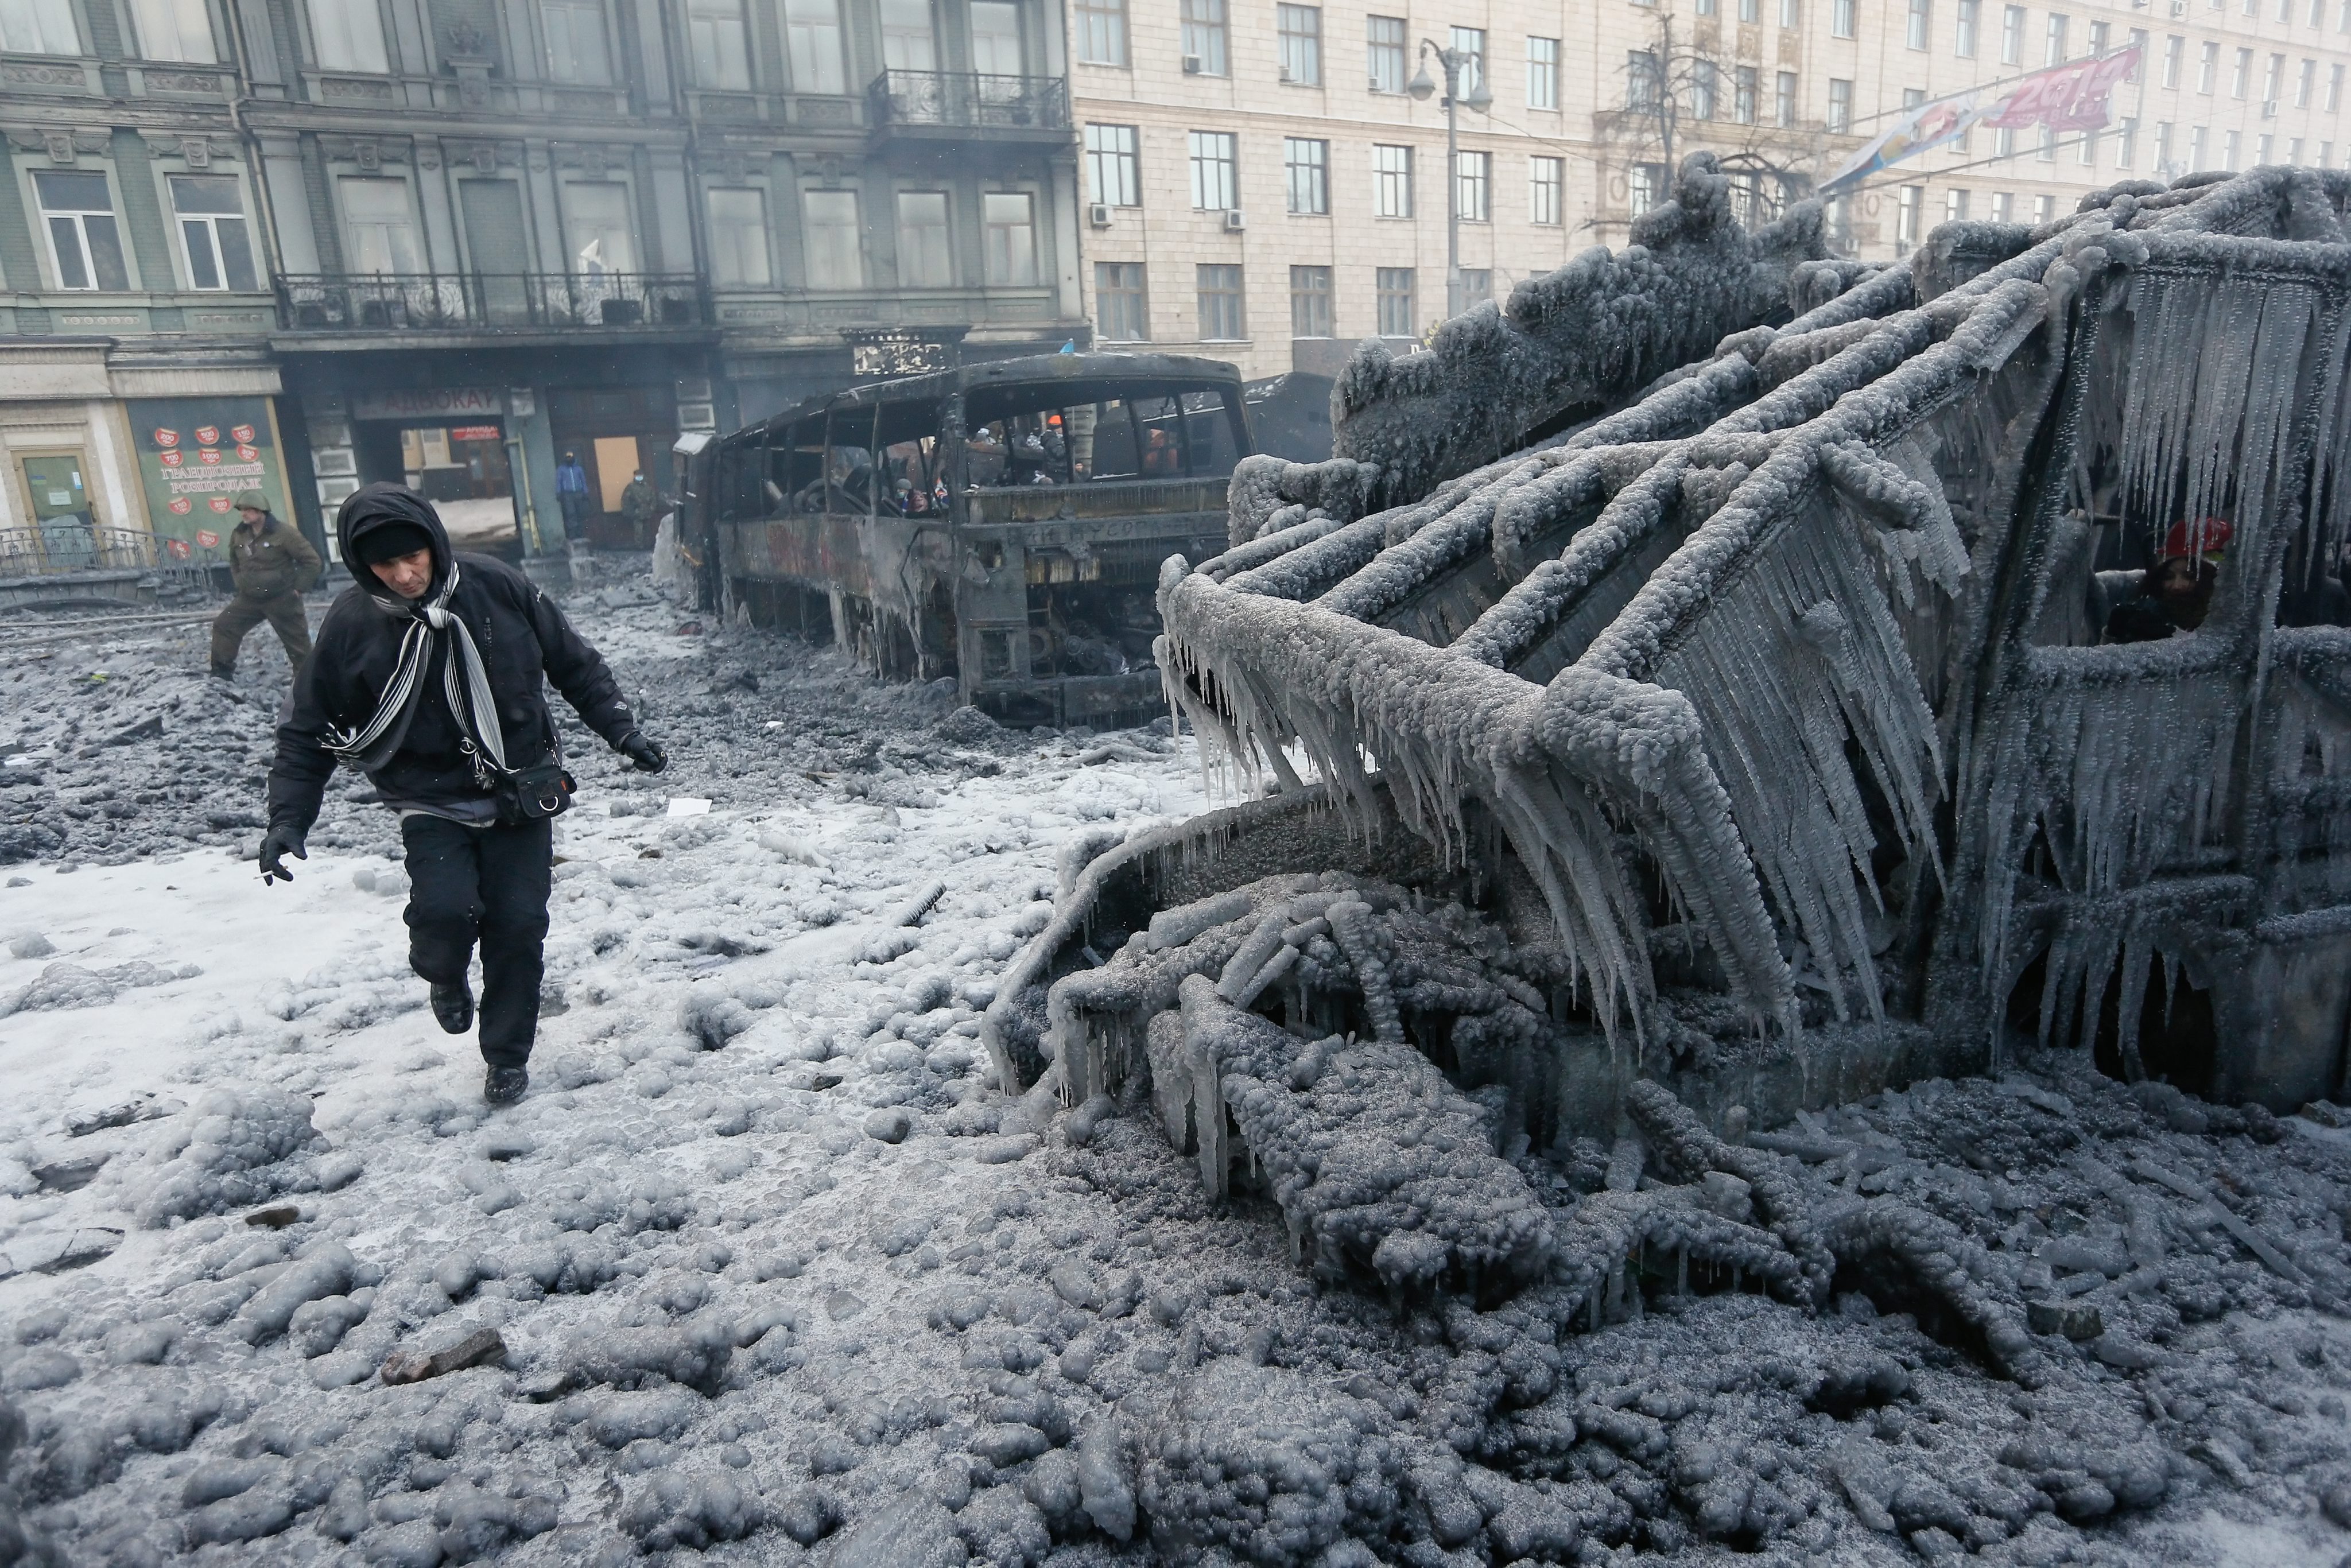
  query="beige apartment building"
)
[{"x": 1263, "y": 187}]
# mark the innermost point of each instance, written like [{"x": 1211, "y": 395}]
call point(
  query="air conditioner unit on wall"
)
[
  {"x": 1235, "y": 221},
  {"x": 1191, "y": 65},
  {"x": 1098, "y": 214},
  {"x": 2269, "y": 109}
]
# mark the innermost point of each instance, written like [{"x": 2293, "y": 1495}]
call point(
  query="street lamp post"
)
[{"x": 1453, "y": 62}]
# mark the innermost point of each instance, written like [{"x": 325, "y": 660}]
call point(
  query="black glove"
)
[
  {"x": 278, "y": 843},
  {"x": 639, "y": 748}
]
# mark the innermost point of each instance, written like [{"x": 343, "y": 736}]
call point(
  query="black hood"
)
[{"x": 372, "y": 506}]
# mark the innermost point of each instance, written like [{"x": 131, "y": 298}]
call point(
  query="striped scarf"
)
[{"x": 471, "y": 702}]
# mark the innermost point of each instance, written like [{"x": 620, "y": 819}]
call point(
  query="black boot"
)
[
  {"x": 504, "y": 1085},
  {"x": 224, "y": 672},
  {"x": 453, "y": 1006}
]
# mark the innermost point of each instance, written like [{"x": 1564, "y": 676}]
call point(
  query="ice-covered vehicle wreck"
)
[{"x": 1746, "y": 720}]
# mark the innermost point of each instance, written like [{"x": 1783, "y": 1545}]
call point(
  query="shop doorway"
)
[
  {"x": 618, "y": 432},
  {"x": 462, "y": 469},
  {"x": 64, "y": 534}
]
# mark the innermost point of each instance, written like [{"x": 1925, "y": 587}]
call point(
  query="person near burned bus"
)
[
  {"x": 431, "y": 678},
  {"x": 272, "y": 566},
  {"x": 2175, "y": 594}
]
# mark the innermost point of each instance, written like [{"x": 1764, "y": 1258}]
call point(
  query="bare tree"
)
[{"x": 1681, "y": 97}]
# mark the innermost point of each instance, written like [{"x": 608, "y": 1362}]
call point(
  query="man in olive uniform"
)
[
  {"x": 639, "y": 502},
  {"x": 273, "y": 566}
]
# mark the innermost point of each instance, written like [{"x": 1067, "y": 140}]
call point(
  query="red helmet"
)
[{"x": 2206, "y": 537}]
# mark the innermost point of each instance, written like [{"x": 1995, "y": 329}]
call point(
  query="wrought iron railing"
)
[
  {"x": 445, "y": 301},
  {"x": 969, "y": 99},
  {"x": 65, "y": 547}
]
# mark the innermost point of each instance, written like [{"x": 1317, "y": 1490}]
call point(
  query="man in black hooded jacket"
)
[{"x": 430, "y": 676}]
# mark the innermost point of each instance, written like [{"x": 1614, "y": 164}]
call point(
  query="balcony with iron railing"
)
[
  {"x": 491, "y": 302},
  {"x": 937, "y": 106}
]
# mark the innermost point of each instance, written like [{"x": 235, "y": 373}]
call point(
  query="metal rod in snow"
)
[{"x": 911, "y": 913}]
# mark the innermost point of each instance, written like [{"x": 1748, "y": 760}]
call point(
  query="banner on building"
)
[
  {"x": 194, "y": 454},
  {"x": 2076, "y": 97}
]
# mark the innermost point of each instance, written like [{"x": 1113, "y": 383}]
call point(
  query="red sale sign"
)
[
  {"x": 171, "y": 459},
  {"x": 183, "y": 506},
  {"x": 207, "y": 538},
  {"x": 179, "y": 547},
  {"x": 248, "y": 455},
  {"x": 167, "y": 438},
  {"x": 208, "y": 455},
  {"x": 208, "y": 434},
  {"x": 241, "y": 433},
  {"x": 218, "y": 503}
]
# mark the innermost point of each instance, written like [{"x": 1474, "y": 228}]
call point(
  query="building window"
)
[
  {"x": 2242, "y": 75},
  {"x": 2334, "y": 89},
  {"x": 1543, "y": 73},
  {"x": 996, "y": 40},
  {"x": 2208, "y": 62},
  {"x": 716, "y": 38},
  {"x": 1909, "y": 200},
  {"x": 829, "y": 221},
  {"x": 1841, "y": 17},
  {"x": 1702, "y": 93},
  {"x": 1784, "y": 101},
  {"x": 739, "y": 238},
  {"x": 1384, "y": 37},
  {"x": 812, "y": 39},
  {"x": 1477, "y": 285},
  {"x": 1469, "y": 44},
  {"x": 378, "y": 226},
  {"x": 84, "y": 244},
  {"x": 1306, "y": 173},
  {"x": 2271, "y": 78},
  {"x": 2003, "y": 142},
  {"x": 2054, "y": 51},
  {"x": 1790, "y": 11},
  {"x": 1101, "y": 35},
  {"x": 1921, "y": 19},
  {"x": 1963, "y": 39},
  {"x": 1840, "y": 105},
  {"x": 1640, "y": 78},
  {"x": 213, "y": 239},
  {"x": 2097, "y": 38},
  {"x": 2045, "y": 148},
  {"x": 598, "y": 227},
  {"x": 2199, "y": 142},
  {"x": 1121, "y": 314},
  {"x": 2125, "y": 142},
  {"x": 1546, "y": 178},
  {"x": 2305, "y": 81},
  {"x": 1645, "y": 184},
  {"x": 2003, "y": 207},
  {"x": 1398, "y": 317},
  {"x": 1301, "y": 35},
  {"x": 169, "y": 30},
  {"x": 908, "y": 40},
  {"x": 1391, "y": 180},
  {"x": 925, "y": 251},
  {"x": 2089, "y": 145},
  {"x": 2174, "y": 47},
  {"x": 38, "y": 27},
  {"x": 2012, "y": 36},
  {"x": 347, "y": 36},
  {"x": 1309, "y": 302},
  {"x": 1203, "y": 37},
  {"x": 1955, "y": 206},
  {"x": 1472, "y": 180},
  {"x": 1750, "y": 10},
  {"x": 2261, "y": 146},
  {"x": 575, "y": 41},
  {"x": 1114, "y": 165},
  {"x": 2044, "y": 207},
  {"x": 2229, "y": 143},
  {"x": 1010, "y": 221},
  {"x": 2162, "y": 146},
  {"x": 1223, "y": 314},
  {"x": 1742, "y": 95},
  {"x": 1216, "y": 175}
]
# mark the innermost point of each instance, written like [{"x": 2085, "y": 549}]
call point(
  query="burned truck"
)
[
  {"x": 1705, "y": 670},
  {"x": 1002, "y": 523}
]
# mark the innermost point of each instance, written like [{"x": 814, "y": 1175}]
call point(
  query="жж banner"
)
[{"x": 2071, "y": 97}]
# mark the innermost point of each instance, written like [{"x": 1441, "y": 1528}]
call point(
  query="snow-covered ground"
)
[{"x": 776, "y": 1274}]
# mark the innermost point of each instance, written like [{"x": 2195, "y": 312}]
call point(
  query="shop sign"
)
[
  {"x": 184, "y": 497},
  {"x": 429, "y": 405},
  {"x": 473, "y": 433}
]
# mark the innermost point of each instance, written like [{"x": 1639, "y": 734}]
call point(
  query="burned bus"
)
[{"x": 1002, "y": 523}]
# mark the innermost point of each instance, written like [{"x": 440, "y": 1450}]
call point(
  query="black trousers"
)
[{"x": 469, "y": 885}]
